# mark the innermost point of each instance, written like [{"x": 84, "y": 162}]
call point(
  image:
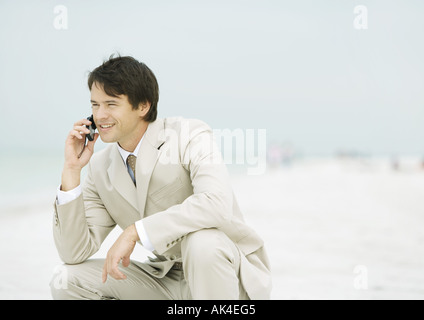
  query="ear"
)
[{"x": 143, "y": 108}]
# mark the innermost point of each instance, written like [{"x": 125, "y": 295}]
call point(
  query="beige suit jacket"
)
[{"x": 182, "y": 186}]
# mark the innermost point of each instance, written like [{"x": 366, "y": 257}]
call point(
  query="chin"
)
[{"x": 107, "y": 139}]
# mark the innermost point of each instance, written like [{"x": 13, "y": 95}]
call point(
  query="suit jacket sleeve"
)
[
  {"x": 211, "y": 204},
  {"x": 81, "y": 225}
]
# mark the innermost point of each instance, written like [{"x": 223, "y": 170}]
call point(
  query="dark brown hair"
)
[{"x": 125, "y": 75}]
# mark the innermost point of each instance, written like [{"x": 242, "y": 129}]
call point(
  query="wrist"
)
[
  {"x": 72, "y": 168},
  {"x": 70, "y": 178},
  {"x": 131, "y": 233}
]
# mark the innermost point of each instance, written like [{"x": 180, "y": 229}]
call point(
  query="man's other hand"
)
[{"x": 121, "y": 250}]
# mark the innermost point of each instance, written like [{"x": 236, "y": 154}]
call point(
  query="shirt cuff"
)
[
  {"x": 64, "y": 197},
  {"x": 143, "y": 235}
]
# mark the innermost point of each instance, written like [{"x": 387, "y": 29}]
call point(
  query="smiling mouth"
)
[{"x": 106, "y": 126}]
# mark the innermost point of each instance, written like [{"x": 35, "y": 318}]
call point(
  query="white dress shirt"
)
[{"x": 64, "y": 197}]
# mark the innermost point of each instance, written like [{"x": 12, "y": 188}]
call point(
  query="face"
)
[{"x": 116, "y": 120}]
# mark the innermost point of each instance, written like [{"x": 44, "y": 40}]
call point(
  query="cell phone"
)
[{"x": 92, "y": 127}]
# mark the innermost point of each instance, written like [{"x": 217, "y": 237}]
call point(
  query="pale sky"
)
[{"x": 298, "y": 69}]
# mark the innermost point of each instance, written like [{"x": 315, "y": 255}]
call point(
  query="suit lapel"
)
[
  {"x": 120, "y": 178},
  {"x": 147, "y": 157}
]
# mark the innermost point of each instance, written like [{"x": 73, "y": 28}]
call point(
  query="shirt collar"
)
[{"x": 124, "y": 153}]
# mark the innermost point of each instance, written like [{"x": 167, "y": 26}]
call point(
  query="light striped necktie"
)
[{"x": 131, "y": 160}]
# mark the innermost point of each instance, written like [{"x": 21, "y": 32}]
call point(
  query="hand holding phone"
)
[
  {"x": 92, "y": 127},
  {"x": 78, "y": 151},
  {"x": 90, "y": 136}
]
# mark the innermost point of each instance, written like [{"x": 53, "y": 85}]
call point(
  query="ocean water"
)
[{"x": 28, "y": 179}]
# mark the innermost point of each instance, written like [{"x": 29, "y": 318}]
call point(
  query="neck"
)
[{"x": 130, "y": 144}]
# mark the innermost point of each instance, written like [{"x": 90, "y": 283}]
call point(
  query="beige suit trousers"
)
[{"x": 210, "y": 270}]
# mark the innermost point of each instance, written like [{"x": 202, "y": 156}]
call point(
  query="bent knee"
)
[
  {"x": 59, "y": 283},
  {"x": 208, "y": 245},
  {"x": 68, "y": 277}
]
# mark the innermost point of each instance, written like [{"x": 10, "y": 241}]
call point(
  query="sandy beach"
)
[{"x": 333, "y": 228}]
